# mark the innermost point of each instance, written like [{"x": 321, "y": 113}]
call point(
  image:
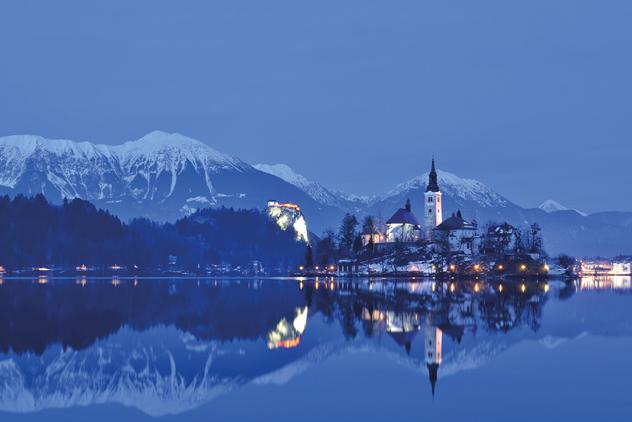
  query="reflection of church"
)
[{"x": 433, "y": 346}]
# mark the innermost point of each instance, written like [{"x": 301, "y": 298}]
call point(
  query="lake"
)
[{"x": 315, "y": 349}]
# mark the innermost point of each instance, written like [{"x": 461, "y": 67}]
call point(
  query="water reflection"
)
[
  {"x": 609, "y": 282},
  {"x": 167, "y": 346}
]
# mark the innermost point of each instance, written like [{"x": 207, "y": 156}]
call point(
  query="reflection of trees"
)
[
  {"x": 33, "y": 316},
  {"x": 369, "y": 304}
]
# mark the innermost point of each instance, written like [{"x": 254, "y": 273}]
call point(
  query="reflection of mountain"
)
[{"x": 168, "y": 346}]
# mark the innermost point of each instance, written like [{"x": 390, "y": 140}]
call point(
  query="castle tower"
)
[{"x": 432, "y": 204}]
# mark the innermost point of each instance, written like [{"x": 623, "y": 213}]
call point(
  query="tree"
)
[
  {"x": 566, "y": 261},
  {"x": 357, "y": 245},
  {"x": 309, "y": 257},
  {"x": 534, "y": 239},
  {"x": 370, "y": 246},
  {"x": 519, "y": 243},
  {"x": 326, "y": 248},
  {"x": 347, "y": 234},
  {"x": 369, "y": 226}
]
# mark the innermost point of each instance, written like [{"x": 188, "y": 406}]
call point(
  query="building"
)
[
  {"x": 403, "y": 226},
  {"x": 455, "y": 235},
  {"x": 376, "y": 237},
  {"x": 605, "y": 267},
  {"x": 432, "y": 204}
]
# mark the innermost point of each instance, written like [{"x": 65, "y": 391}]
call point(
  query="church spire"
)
[
  {"x": 433, "y": 186},
  {"x": 433, "y": 368}
]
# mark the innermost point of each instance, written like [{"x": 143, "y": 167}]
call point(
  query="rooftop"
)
[{"x": 403, "y": 216}]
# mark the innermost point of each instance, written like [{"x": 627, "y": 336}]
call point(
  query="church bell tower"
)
[{"x": 432, "y": 204}]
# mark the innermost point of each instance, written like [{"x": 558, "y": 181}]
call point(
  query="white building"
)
[
  {"x": 432, "y": 204},
  {"x": 457, "y": 236},
  {"x": 403, "y": 226}
]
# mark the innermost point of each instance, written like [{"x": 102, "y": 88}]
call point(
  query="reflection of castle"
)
[{"x": 286, "y": 335}]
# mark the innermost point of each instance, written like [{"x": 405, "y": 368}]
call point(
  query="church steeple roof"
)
[
  {"x": 433, "y": 368},
  {"x": 433, "y": 186}
]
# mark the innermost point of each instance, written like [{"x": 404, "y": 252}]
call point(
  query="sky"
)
[{"x": 532, "y": 98}]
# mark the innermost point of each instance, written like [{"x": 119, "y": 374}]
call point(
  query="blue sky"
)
[{"x": 533, "y": 98}]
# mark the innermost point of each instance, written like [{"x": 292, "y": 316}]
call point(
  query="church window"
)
[
  {"x": 430, "y": 211},
  {"x": 430, "y": 199}
]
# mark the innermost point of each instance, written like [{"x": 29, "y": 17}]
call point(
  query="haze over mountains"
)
[{"x": 165, "y": 176}]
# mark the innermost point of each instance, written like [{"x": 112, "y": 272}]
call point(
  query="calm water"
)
[{"x": 315, "y": 350}]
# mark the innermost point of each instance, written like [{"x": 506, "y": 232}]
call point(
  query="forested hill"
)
[{"x": 34, "y": 232}]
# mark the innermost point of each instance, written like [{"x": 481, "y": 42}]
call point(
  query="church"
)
[{"x": 404, "y": 226}]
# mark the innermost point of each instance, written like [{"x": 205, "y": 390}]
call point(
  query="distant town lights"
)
[{"x": 523, "y": 267}]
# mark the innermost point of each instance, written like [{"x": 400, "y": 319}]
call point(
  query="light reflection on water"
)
[
  {"x": 173, "y": 346},
  {"x": 616, "y": 282}
]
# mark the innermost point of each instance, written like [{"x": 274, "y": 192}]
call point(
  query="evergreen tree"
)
[
  {"x": 326, "y": 248},
  {"x": 347, "y": 234},
  {"x": 368, "y": 225},
  {"x": 309, "y": 257},
  {"x": 535, "y": 238},
  {"x": 357, "y": 245}
]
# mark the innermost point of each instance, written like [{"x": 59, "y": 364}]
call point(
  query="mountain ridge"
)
[{"x": 164, "y": 176}]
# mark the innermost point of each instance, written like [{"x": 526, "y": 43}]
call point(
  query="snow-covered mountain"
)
[
  {"x": 453, "y": 186},
  {"x": 318, "y": 192},
  {"x": 564, "y": 230},
  {"x": 553, "y": 206},
  {"x": 162, "y": 176},
  {"x": 165, "y": 176},
  {"x": 475, "y": 200}
]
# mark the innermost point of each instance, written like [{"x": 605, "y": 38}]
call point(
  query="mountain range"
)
[{"x": 164, "y": 176}]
